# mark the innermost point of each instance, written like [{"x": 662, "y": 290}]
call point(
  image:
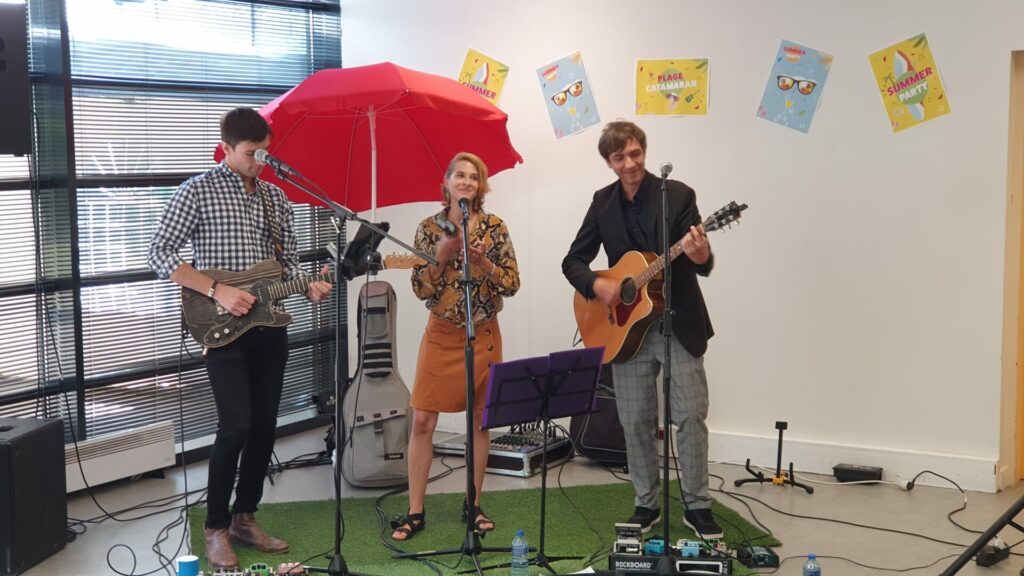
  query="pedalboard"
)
[{"x": 648, "y": 564}]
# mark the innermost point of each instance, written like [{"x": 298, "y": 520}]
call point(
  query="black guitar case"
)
[
  {"x": 376, "y": 417},
  {"x": 599, "y": 435}
]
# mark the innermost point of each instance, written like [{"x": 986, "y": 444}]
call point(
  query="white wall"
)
[{"x": 861, "y": 298}]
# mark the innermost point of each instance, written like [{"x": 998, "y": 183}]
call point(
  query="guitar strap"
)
[{"x": 271, "y": 217}]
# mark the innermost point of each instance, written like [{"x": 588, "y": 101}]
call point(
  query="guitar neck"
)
[
  {"x": 655, "y": 268},
  {"x": 280, "y": 290}
]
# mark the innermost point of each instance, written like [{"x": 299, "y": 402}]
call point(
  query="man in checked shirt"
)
[{"x": 221, "y": 213}]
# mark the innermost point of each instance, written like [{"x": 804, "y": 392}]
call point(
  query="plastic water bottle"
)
[
  {"x": 811, "y": 566},
  {"x": 520, "y": 552}
]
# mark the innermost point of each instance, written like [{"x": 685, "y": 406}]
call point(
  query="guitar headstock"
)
[
  {"x": 725, "y": 216},
  {"x": 402, "y": 261}
]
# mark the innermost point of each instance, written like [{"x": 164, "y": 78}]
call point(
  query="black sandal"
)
[
  {"x": 481, "y": 518},
  {"x": 408, "y": 525}
]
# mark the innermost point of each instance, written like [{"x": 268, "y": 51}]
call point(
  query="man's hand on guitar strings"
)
[
  {"x": 237, "y": 302},
  {"x": 319, "y": 290},
  {"x": 696, "y": 246},
  {"x": 606, "y": 290}
]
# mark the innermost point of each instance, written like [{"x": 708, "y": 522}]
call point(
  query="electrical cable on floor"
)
[
  {"x": 384, "y": 523},
  {"x": 854, "y": 524},
  {"x": 167, "y": 563},
  {"x": 602, "y": 546}
]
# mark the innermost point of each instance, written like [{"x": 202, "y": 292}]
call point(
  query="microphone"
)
[
  {"x": 447, "y": 227},
  {"x": 262, "y": 156},
  {"x": 464, "y": 204},
  {"x": 666, "y": 168}
]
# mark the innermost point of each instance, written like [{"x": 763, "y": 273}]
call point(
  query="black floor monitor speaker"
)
[
  {"x": 33, "y": 501},
  {"x": 15, "y": 95}
]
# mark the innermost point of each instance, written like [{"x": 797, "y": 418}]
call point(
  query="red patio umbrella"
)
[{"x": 381, "y": 134}]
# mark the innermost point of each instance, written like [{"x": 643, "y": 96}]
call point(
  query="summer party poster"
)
[
  {"x": 909, "y": 83},
  {"x": 485, "y": 75},
  {"x": 672, "y": 87},
  {"x": 568, "y": 95},
  {"x": 795, "y": 85}
]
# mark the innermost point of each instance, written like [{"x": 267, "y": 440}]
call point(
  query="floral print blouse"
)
[{"x": 445, "y": 297}]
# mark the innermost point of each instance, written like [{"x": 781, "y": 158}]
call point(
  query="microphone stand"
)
[
  {"x": 337, "y": 565},
  {"x": 666, "y": 564},
  {"x": 471, "y": 544}
]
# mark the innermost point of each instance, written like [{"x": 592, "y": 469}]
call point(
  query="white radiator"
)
[{"x": 120, "y": 455}]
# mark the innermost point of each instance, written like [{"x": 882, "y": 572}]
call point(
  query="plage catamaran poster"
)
[{"x": 677, "y": 87}]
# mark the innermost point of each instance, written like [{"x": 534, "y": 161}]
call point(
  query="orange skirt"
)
[{"x": 440, "y": 384}]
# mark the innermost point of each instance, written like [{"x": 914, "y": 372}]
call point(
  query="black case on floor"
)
[
  {"x": 598, "y": 435},
  {"x": 33, "y": 500}
]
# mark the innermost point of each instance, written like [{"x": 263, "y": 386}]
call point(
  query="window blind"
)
[{"x": 149, "y": 80}]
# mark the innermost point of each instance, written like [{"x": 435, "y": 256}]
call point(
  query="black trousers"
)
[{"x": 247, "y": 377}]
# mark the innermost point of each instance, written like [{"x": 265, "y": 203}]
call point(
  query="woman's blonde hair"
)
[{"x": 482, "y": 189}]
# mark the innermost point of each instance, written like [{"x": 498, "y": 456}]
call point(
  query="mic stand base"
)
[
  {"x": 666, "y": 566},
  {"x": 471, "y": 548},
  {"x": 336, "y": 567}
]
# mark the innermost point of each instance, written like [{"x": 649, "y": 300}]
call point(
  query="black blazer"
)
[{"x": 605, "y": 225}]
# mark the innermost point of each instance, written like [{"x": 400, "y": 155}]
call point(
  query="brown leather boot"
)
[
  {"x": 246, "y": 530},
  {"x": 219, "y": 553}
]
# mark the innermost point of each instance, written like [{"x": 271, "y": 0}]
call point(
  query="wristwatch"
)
[{"x": 213, "y": 288}]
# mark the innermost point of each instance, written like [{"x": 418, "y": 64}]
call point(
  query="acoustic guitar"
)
[
  {"x": 214, "y": 326},
  {"x": 621, "y": 327}
]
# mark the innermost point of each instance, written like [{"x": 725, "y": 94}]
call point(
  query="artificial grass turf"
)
[{"x": 580, "y": 522}]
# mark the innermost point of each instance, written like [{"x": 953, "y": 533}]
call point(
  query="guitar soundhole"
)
[{"x": 628, "y": 292}]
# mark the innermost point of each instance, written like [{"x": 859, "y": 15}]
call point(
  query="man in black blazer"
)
[{"x": 625, "y": 216}]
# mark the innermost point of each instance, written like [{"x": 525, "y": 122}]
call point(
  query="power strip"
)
[{"x": 856, "y": 473}]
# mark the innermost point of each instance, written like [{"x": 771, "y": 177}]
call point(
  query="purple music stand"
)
[{"x": 559, "y": 385}]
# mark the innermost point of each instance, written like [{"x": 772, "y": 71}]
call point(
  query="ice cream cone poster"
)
[
  {"x": 485, "y": 75},
  {"x": 909, "y": 83},
  {"x": 672, "y": 87},
  {"x": 795, "y": 85},
  {"x": 568, "y": 95}
]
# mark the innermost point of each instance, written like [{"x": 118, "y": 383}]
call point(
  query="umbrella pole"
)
[
  {"x": 471, "y": 544},
  {"x": 372, "y": 114}
]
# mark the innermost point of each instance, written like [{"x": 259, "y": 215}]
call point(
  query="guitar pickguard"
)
[{"x": 623, "y": 311}]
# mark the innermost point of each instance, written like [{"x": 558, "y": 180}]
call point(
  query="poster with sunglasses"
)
[
  {"x": 568, "y": 95},
  {"x": 672, "y": 87},
  {"x": 909, "y": 83},
  {"x": 794, "y": 86}
]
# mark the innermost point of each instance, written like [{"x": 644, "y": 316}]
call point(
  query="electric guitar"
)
[
  {"x": 621, "y": 327},
  {"x": 214, "y": 326}
]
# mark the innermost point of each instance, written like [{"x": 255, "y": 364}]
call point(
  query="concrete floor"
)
[{"x": 919, "y": 512}]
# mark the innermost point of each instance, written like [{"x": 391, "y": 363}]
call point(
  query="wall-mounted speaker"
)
[
  {"x": 33, "y": 501},
  {"x": 15, "y": 94}
]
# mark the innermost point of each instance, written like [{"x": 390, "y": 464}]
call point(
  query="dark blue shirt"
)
[{"x": 636, "y": 215}]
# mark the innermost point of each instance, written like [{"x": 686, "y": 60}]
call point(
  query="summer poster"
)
[
  {"x": 672, "y": 87},
  {"x": 485, "y": 75},
  {"x": 909, "y": 83},
  {"x": 568, "y": 95},
  {"x": 794, "y": 86}
]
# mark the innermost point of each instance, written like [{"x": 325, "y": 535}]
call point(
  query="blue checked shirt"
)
[{"x": 225, "y": 225}]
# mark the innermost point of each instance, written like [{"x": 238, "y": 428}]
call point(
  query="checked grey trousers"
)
[{"x": 637, "y": 388}]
